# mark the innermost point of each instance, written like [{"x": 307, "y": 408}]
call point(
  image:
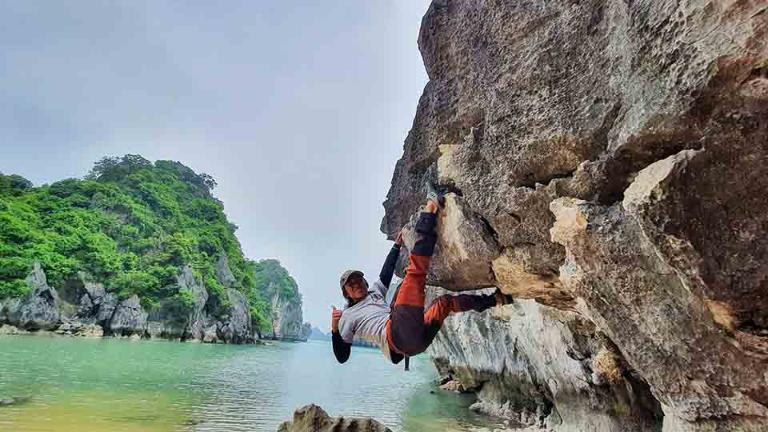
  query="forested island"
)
[{"x": 136, "y": 248}]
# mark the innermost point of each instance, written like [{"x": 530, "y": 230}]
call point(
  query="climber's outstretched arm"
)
[{"x": 388, "y": 269}]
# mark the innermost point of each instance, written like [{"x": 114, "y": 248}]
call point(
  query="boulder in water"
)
[
  {"x": 312, "y": 418},
  {"x": 14, "y": 400}
]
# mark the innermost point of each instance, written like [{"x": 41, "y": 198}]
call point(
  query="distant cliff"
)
[
  {"x": 135, "y": 249},
  {"x": 317, "y": 334},
  {"x": 607, "y": 163},
  {"x": 280, "y": 289}
]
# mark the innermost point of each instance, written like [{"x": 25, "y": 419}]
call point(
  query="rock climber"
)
[{"x": 404, "y": 329}]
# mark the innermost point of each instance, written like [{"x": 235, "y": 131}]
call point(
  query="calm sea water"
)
[{"x": 101, "y": 385}]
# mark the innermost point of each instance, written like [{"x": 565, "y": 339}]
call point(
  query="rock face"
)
[
  {"x": 312, "y": 418},
  {"x": 287, "y": 321},
  {"x": 607, "y": 159},
  {"x": 223, "y": 272},
  {"x": 237, "y": 326},
  {"x": 172, "y": 320},
  {"x": 129, "y": 318},
  {"x": 94, "y": 302},
  {"x": 306, "y": 330},
  {"x": 85, "y": 308},
  {"x": 544, "y": 367},
  {"x": 38, "y": 310}
]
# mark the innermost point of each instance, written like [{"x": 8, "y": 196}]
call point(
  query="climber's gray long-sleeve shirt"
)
[{"x": 367, "y": 319}]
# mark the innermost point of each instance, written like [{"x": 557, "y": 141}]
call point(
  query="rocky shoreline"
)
[{"x": 85, "y": 308}]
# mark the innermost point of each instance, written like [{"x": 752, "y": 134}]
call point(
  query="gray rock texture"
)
[
  {"x": 38, "y": 310},
  {"x": 312, "y": 418},
  {"x": 94, "y": 303},
  {"x": 236, "y": 328},
  {"x": 129, "y": 318},
  {"x": 84, "y": 308},
  {"x": 223, "y": 272},
  {"x": 173, "y": 320},
  {"x": 79, "y": 328},
  {"x": 607, "y": 159},
  {"x": 543, "y": 367},
  {"x": 287, "y": 319},
  {"x": 197, "y": 317}
]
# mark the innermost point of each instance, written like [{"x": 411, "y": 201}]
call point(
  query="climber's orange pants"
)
[{"x": 410, "y": 330}]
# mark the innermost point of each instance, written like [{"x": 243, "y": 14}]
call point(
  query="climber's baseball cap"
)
[{"x": 347, "y": 275}]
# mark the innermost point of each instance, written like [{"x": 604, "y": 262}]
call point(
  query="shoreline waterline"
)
[{"x": 90, "y": 384}]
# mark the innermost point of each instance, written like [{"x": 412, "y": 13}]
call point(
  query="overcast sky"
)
[{"x": 297, "y": 108}]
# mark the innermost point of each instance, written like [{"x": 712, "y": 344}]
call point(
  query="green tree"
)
[{"x": 131, "y": 224}]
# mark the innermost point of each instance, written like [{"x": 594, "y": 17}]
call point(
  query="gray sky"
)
[{"x": 297, "y": 108}]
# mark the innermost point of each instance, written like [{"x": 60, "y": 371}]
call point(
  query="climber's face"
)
[{"x": 356, "y": 288}]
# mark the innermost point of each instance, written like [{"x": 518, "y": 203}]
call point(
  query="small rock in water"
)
[
  {"x": 14, "y": 400},
  {"x": 312, "y": 418},
  {"x": 454, "y": 386},
  {"x": 6, "y": 329},
  {"x": 191, "y": 422},
  {"x": 76, "y": 328}
]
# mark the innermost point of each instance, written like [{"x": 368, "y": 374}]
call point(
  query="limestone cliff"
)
[
  {"x": 135, "y": 248},
  {"x": 84, "y": 308},
  {"x": 287, "y": 319},
  {"x": 281, "y": 290},
  {"x": 545, "y": 367},
  {"x": 607, "y": 160}
]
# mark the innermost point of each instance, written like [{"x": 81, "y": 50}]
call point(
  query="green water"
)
[{"x": 119, "y": 385}]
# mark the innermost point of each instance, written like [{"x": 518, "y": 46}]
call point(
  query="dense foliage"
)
[
  {"x": 130, "y": 224},
  {"x": 272, "y": 278}
]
